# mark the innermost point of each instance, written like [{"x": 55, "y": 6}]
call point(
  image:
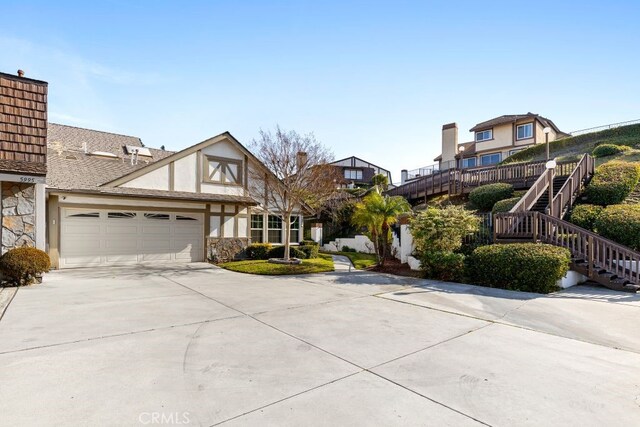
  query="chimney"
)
[
  {"x": 301, "y": 160},
  {"x": 449, "y": 144},
  {"x": 20, "y": 73},
  {"x": 404, "y": 174}
]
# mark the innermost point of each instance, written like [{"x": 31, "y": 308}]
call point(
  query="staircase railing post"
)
[
  {"x": 535, "y": 226},
  {"x": 591, "y": 256}
]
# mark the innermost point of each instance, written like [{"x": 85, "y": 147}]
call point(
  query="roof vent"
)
[
  {"x": 20, "y": 73},
  {"x": 140, "y": 151}
]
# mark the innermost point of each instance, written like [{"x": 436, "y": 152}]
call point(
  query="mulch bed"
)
[{"x": 393, "y": 266}]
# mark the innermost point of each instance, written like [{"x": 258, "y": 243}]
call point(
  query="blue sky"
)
[{"x": 371, "y": 79}]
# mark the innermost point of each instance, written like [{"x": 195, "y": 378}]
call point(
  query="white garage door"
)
[{"x": 112, "y": 237}]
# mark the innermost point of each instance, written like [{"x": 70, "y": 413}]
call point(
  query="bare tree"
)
[{"x": 299, "y": 175}]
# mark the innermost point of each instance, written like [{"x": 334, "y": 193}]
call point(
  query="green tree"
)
[
  {"x": 378, "y": 213},
  {"x": 380, "y": 181},
  {"x": 443, "y": 229}
]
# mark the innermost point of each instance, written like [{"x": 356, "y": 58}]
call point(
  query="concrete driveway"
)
[{"x": 197, "y": 345}]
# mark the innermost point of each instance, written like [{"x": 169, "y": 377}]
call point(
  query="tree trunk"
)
[
  {"x": 384, "y": 241},
  {"x": 287, "y": 232}
]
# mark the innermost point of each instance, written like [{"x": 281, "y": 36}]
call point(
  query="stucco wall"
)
[
  {"x": 185, "y": 173},
  {"x": 157, "y": 179}
]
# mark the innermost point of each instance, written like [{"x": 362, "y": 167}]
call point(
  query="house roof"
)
[
  {"x": 73, "y": 170},
  {"x": 512, "y": 118}
]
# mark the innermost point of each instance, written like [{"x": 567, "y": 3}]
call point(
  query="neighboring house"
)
[
  {"x": 23, "y": 164},
  {"x": 111, "y": 200},
  {"x": 357, "y": 172},
  {"x": 494, "y": 140}
]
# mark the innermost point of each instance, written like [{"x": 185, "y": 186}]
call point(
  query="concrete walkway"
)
[
  {"x": 200, "y": 345},
  {"x": 342, "y": 264}
]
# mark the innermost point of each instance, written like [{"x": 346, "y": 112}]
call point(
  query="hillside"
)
[{"x": 575, "y": 146}]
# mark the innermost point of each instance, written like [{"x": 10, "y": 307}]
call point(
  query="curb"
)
[{"x": 6, "y": 296}]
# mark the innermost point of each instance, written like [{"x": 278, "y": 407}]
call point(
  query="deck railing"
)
[
  {"x": 569, "y": 191},
  {"x": 597, "y": 252}
]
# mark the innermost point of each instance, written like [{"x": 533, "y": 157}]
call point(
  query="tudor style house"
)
[
  {"x": 494, "y": 140},
  {"x": 111, "y": 200},
  {"x": 23, "y": 164},
  {"x": 356, "y": 172}
]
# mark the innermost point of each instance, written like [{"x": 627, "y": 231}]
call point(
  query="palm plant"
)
[{"x": 378, "y": 213}]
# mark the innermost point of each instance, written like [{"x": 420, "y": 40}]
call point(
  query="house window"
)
[
  {"x": 274, "y": 229},
  {"x": 257, "y": 225},
  {"x": 221, "y": 170},
  {"x": 490, "y": 159},
  {"x": 484, "y": 135},
  {"x": 469, "y": 163},
  {"x": 294, "y": 232},
  {"x": 512, "y": 152},
  {"x": 524, "y": 131},
  {"x": 353, "y": 174}
]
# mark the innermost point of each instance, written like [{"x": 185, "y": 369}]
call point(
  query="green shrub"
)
[
  {"x": 528, "y": 267},
  {"x": 621, "y": 223},
  {"x": 505, "y": 205},
  {"x": 20, "y": 265},
  {"x": 585, "y": 216},
  {"x": 612, "y": 183},
  {"x": 442, "y": 229},
  {"x": 447, "y": 266},
  {"x": 258, "y": 250},
  {"x": 346, "y": 248},
  {"x": 485, "y": 196},
  {"x": 278, "y": 252},
  {"x": 310, "y": 249},
  {"x": 604, "y": 150}
]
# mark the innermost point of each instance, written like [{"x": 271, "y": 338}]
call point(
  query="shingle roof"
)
[
  {"x": 510, "y": 118},
  {"x": 71, "y": 168}
]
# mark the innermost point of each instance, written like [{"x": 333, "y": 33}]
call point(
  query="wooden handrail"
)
[
  {"x": 598, "y": 252},
  {"x": 573, "y": 185},
  {"x": 532, "y": 195}
]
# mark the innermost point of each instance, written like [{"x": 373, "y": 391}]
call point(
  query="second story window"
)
[
  {"x": 484, "y": 135},
  {"x": 524, "y": 131},
  {"x": 353, "y": 174}
]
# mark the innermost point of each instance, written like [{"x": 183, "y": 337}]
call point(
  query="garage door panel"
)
[{"x": 94, "y": 239}]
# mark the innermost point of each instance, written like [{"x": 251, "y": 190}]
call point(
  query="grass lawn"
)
[
  {"x": 317, "y": 265},
  {"x": 360, "y": 261}
]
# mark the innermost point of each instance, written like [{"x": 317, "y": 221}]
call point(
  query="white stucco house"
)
[{"x": 111, "y": 200}]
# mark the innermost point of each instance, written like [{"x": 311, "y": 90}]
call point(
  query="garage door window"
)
[
  {"x": 157, "y": 216},
  {"x": 121, "y": 215},
  {"x": 185, "y": 218},
  {"x": 85, "y": 215}
]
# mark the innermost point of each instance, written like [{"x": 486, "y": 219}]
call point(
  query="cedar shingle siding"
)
[{"x": 23, "y": 125}]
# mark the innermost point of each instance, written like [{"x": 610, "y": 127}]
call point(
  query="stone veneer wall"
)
[
  {"x": 226, "y": 249},
  {"x": 18, "y": 203}
]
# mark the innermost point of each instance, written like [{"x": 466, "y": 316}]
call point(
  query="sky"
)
[{"x": 372, "y": 79}]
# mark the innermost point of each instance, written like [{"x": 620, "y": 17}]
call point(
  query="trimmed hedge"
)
[
  {"x": 258, "y": 250},
  {"x": 621, "y": 223},
  {"x": 447, "y": 266},
  {"x": 612, "y": 183},
  {"x": 505, "y": 205},
  {"x": 20, "y": 266},
  {"x": 604, "y": 150},
  {"x": 527, "y": 267},
  {"x": 585, "y": 216},
  {"x": 294, "y": 252},
  {"x": 311, "y": 249},
  {"x": 485, "y": 196}
]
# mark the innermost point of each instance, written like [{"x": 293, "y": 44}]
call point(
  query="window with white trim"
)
[
  {"x": 490, "y": 159},
  {"x": 294, "y": 230},
  {"x": 524, "y": 131},
  {"x": 274, "y": 229},
  {"x": 257, "y": 226},
  {"x": 353, "y": 174},
  {"x": 484, "y": 135}
]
